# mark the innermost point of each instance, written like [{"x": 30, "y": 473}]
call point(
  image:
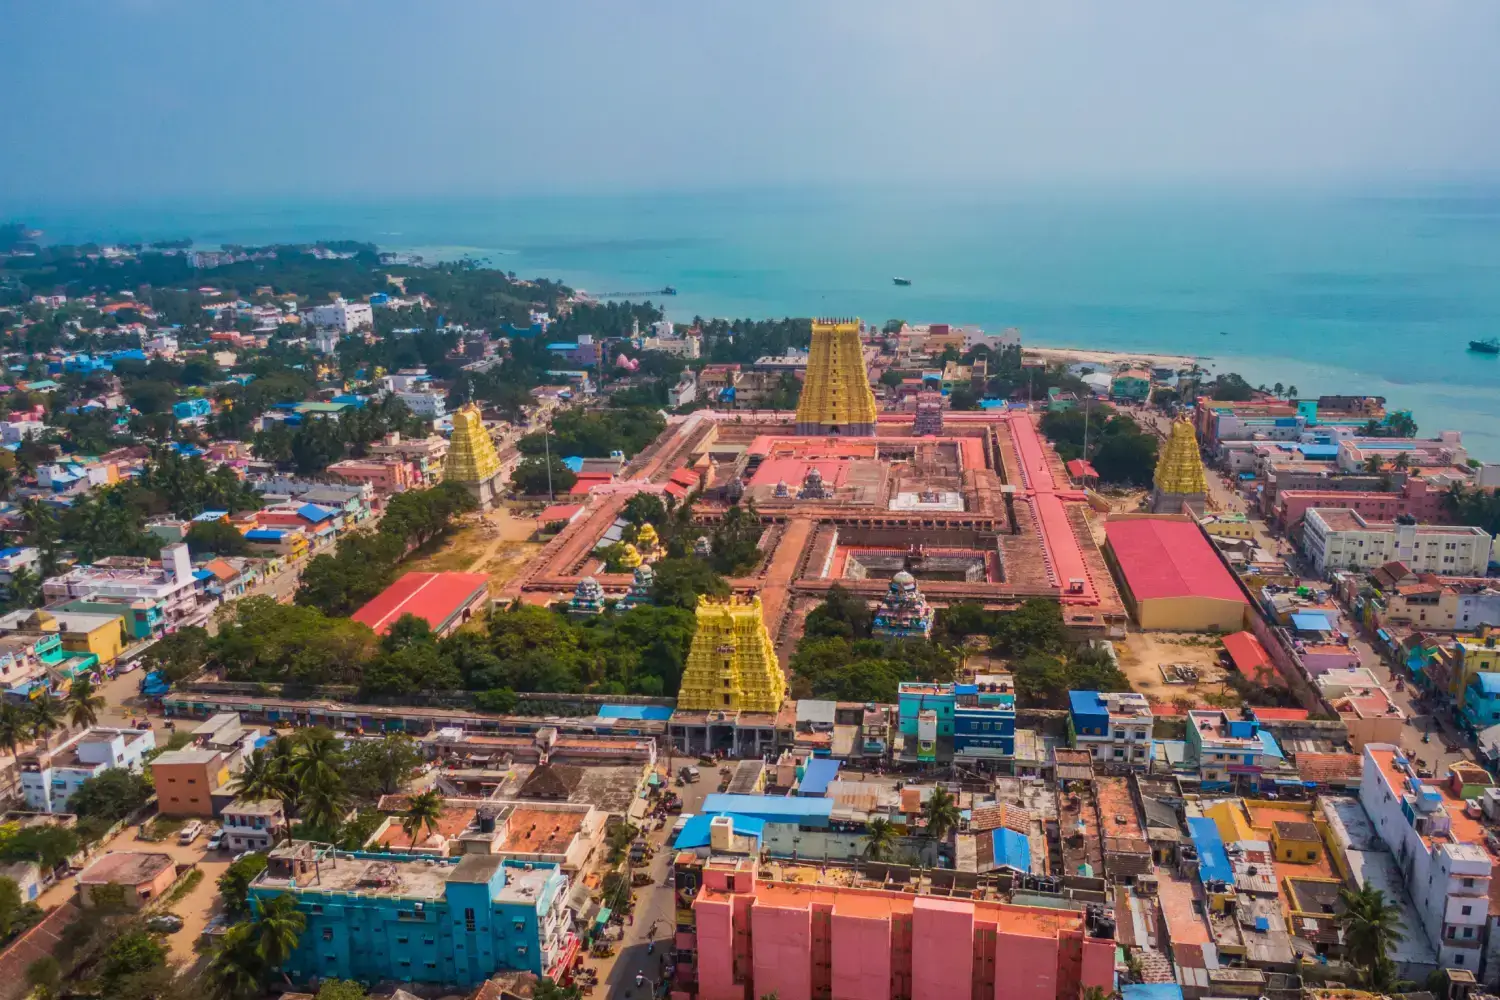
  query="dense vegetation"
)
[
  {"x": 837, "y": 657},
  {"x": 1119, "y": 449},
  {"x": 597, "y": 433},
  {"x": 318, "y": 442}
]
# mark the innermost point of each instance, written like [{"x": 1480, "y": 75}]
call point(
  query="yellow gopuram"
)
[
  {"x": 836, "y": 396},
  {"x": 648, "y": 543},
  {"x": 472, "y": 460},
  {"x": 1179, "y": 477},
  {"x": 732, "y": 665}
]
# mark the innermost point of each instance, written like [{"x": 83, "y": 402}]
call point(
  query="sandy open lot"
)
[
  {"x": 1142, "y": 653},
  {"x": 495, "y": 543}
]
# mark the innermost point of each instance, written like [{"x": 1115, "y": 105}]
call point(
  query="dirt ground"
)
[
  {"x": 497, "y": 543},
  {"x": 1142, "y": 654}
]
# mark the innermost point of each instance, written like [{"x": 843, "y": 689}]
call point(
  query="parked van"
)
[
  {"x": 688, "y": 773},
  {"x": 190, "y": 832}
]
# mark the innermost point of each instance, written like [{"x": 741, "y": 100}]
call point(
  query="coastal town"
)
[{"x": 382, "y": 627}]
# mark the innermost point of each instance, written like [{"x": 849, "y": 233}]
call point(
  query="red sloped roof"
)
[
  {"x": 435, "y": 597},
  {"x": 1078, "y": 469},
  {"x": 1280, "y": 714},
  {"x": 1250, "y": 658},
  {"x": 1162, "y": 558}
]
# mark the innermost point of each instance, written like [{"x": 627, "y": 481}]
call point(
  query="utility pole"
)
[{"x": 547, "y": 447}]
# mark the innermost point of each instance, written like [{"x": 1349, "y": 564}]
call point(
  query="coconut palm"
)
[
  {"x": 1402, "y": 461},
  {"x": 1374, "y": 464},
  {"x": 278, "y": 930},
  {"x": 237, "y": 970},
  {"x": 83, "y": 704},
  {"x": 316, "y": 779},
  {"x": 14, "y": 727},
  {"x": 1371, "y": 925},
  {"x": 45, "y": 716},
  {"x": 941, "y": 812},
  {"x": 882, "y": 836},
  {"x": 261, "y": 777},
  {"x": 423, "y": 810}
]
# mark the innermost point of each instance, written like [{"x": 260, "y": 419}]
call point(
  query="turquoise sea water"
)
[{"x": 1331, "y": 293}]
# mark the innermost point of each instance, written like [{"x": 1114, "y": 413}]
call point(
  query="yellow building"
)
[
  {"x": 1473, "y": 656},
  {"x": 1228, "y": 526},
  {"x": 1179, "y": 477},
  {"x": 630, "y": 558},
  {"x": 82, "y": 631},
  {"x": 732, "y": 665},
  {"x": 472, "y": 459},
  {"x": 1295, "y": 840},
  {"x": 836, "y": 396}
]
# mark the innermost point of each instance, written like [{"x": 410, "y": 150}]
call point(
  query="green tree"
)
[
  {"x": 218, "y": 538},
  {"x": 15, "y": 728},
  {"x": 111, "y": 795},
  {"x": 679, "y": 583},
  {"x": 315, "y": 773},
  {"x": 48, "y": 846},
  {"x": 11, "y": 907},
  {"x": 425, "y": 809},
  {"x": 941, "y": 813},
  {"x": 1371, "y": 924},
  {"x": 380, "y": 767},
  {"x": 882, "y": 836},
  {"x": 179, "y": 654},
  {"x": 234, "y": 884},
  {"x": 128, "y": 954},
  {"x": 347, "y": 989},
  {"x": 530, "y": 477},
  {"x": 45, "y": 716},
  {"x": 278, "y": 930},
  {"x": 237, "y": 970},
  {"x": 44, "y": 976},
  {"x": 83, "y": 704},
  {"x": 1036, "y": 626}
]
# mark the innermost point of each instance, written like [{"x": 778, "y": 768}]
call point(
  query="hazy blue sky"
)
[{"x": 164, "y": 98}]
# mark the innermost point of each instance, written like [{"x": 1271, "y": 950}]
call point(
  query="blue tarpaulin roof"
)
[
  {"x": 314, "y": 513},
  {"x": 772, "y": 808},
  {"x": 818, "y": 774},
  {"x": 1213, "y": 860},
  {"x": 695, "y": 832},
  {"x": 1269, "y": 746},
  {"x": 212, "y": 515},
  {"x": 1311, "y": 621},
  {"x": 574, "y": 462},
  {"x": 1151, "y": 991},
  {"x": 1012, "y": 849},
  {"x": 643, "y": 712},
  {"x": 264, "y": 535},
  {"x": 1489, "y": 683}
]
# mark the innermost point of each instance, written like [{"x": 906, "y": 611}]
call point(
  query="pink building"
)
[
  {"x": 1416, "y": 498},
  {"x": 386, "y": 477},
  {"x": 755, "y": 936}
]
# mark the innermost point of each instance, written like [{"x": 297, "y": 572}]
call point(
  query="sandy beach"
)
[{"x": 1072, "y": 355}]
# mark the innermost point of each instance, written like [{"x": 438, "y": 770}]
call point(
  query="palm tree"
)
[
  {"x": 278, "y": 931},
  {"x": 237, "y": 968},
  {"x": 260, "y": 778},
  {"x": 14, "y": 727},
  {"x": 315, "y": 775},
  {"x": 423, "y": 810},
  {"x": 1402, "y": 461},
  {"x": 46, "y": 715},
  {"x": 25, "y": 589},
  {"x": 1370, "y": 925},
  {"x": 83, "y": 704},
  {"x": 882, "y": 835},
  {"x": 1374, "y": 464},
  {"x": 941, "y": 812},
  {"x": 1291, "y": 392}
]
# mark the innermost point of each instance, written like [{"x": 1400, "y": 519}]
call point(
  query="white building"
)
[
  {"x": 152, "y": 598},
  {"x": 346, "y": 317},
  {"x": 1126, "y": 739},
  {"x": 253, "y": 825},
  {"x": 682, "y": 347},
  {"x": 1449, "y": 878},
  {"x": 162, "y": 344},
  {"x": 325, "y": 340},
  {"x": 1334, "y": 538},
  {"x": 683, "y": 392},
  {"x": 426, "y": 403},
  {"x": 49, "y": 778},
  {"x": 975, "y": 337}
]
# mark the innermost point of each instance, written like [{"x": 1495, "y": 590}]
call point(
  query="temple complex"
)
[
  {"x": 905, "y": 613},
  {"x": 836, "y": 396},
  {"x": 1179, "y": 477},
  {"x": 472, "y": 460}
]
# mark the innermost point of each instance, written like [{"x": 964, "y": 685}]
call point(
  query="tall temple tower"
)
[
  {"x": 472, "y": 459},
  {"x": 1179, "y": 475},
  {"x": 836, "y": 396},
  {"x": 732, "y": 665}
]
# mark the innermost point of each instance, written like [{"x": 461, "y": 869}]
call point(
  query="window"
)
[
  {"x": 1468, "y": 910},
  {"x": 1468, "y": 883},
  {"x": 328, "y": 934},
  {"x": 1452, "y": 931},
  {"x": 402, "y": 940},
  {"x": 1468, "y": 932},
  {"x": 1458, "y": 960},
  {"x": 469, "y": 919}
]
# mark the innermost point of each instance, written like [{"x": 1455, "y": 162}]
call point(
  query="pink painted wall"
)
[
  {"x": 1417, "y": 499},
  {"x": 1025, "y": 967},
  {"x": 942, "y": 949},
  {"x": 783, "y": 960},
  {"x": 861, "y": 957},
  {"x": 1098, "y": 964},
  {"x": 1321, "y": 659},
  {"x": 716, "y": 950}
]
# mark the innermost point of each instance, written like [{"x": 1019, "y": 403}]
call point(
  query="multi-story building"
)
[
  {"x": 1467, "y": 658},
  {"x": 742, "y": 932},
  {"x": 1439, "y": 848},
  {"x": 50, "y": 777},
  {"x": 1114, "y": 727},
  {"x": 984, "y": 721},
  {"x": 427, "y": 403},
  {"x": 253, "y": 824},
  {"x": 1342, "y": 539},
  {"x": 387, "y": 476},
  {"x": 151, "y": 597},
  {"x": 426, "y": 455},
  {"x": 916, "y": 697},
  {"x": 1226, "y": 750},
  {"x": 420, "y": 921},
  {"x": 346, "y": 317},
  {"x": 13, "y": 560},
  {"x": 1415, "y": 498},
  {"x": 186, "y": 779},
  {"x": 1444, "y": 451}
]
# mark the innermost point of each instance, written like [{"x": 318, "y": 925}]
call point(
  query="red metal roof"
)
[
  {"x": 435, "y": 597},
  {"x": 1250, "y": 658},
  {"x": 1080, "y": 469},
  {"x": 1162, "y": 558},
  {"x": 559, "y": 512}
]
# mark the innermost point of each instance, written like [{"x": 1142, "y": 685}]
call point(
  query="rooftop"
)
[
  {"x": 1164, "y": 558},
  {"x": 125, "y": 868},
  {"x": 435, "y": 597}
]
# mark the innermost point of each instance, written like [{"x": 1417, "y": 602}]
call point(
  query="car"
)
[
  {"x": 190, "y": 832},
  {"x": 164, "y": 923},
  {"x": 242, "y": 856},
  {"x": 216, "y": 841}
]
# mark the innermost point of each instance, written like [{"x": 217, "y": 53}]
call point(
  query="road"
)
[{"x": 655, "y": 908}]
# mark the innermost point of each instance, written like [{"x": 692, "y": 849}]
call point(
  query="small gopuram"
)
[
  {"x": 904, "y": 613},
  {"x": 472, "y": 460},
  {"x": 1179, "y": 477}
]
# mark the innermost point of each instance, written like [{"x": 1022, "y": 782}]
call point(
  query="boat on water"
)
[
  {"x": 903, "y": 282},
  {"x": 1490, "y": 345},
  {"x": 669, "y": 290}
]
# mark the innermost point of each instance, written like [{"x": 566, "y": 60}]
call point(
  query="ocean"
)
[{"x": 1333, "y": 293}]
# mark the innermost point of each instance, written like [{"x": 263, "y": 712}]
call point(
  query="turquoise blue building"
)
[
  {"x": 984, "y": 722},
  {"x": 915, "y": 697},
  {"x": 383, "y": 917},
  {"x": 1482, "y": 703}
]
